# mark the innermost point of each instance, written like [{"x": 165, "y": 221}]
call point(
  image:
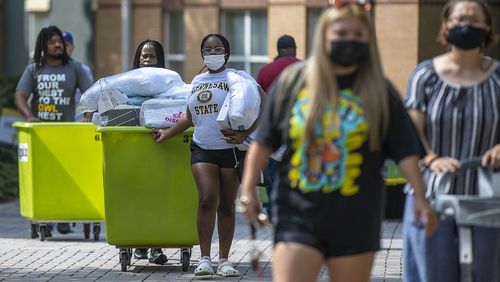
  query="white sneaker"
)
[
  {"x": 227, "y": 269},
  {"x": 204, "y": 269}
]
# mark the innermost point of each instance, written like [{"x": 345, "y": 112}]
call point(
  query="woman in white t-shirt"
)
[{"x": 213, "y": 154}]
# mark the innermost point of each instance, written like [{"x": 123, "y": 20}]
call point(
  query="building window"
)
[
  {"x": 36, "y": 21},
  {"x": 174, "y": 45},
  {"x": 37, "y": 18},
  {"x": 313, "y": 15},
  {"x": 247, "y": 34}
]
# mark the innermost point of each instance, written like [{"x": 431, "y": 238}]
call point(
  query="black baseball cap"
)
[{"x": 286, "y": 41}]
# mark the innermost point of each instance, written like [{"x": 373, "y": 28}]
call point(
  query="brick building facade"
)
[{"x": 406, "y": 31}]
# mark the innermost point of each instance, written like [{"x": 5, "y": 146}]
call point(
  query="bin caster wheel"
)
[
  {"x": 185, "y": 258},
  {"x": 34, "y": 230},
  {"x": 124, "y": 259},
  {"x": 43, "y": 231},
  {"x": 86, "y": 230},
  {"x": 96, "y": 231}
]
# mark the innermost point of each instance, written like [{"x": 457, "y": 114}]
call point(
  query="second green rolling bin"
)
[{"x": 150, "y": 198}]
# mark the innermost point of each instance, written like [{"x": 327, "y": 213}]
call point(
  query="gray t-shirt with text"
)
[{"x": 54, "y": 89}]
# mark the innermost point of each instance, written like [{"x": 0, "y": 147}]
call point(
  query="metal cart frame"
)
[{"x": 468, "y": 211}]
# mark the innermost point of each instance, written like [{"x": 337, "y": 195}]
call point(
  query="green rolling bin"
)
[
  {"x": 394, "y": 194},
  {"x": 60, "y": 175},
  {"x": 150, "y": 198}
]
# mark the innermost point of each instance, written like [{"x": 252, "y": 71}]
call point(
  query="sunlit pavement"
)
[{"x": 71, "y": 258}]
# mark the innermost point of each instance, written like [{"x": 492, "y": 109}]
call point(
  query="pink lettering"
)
[
  {"x": 172, "y": 120},
  {"x": 177, "y": 115}
]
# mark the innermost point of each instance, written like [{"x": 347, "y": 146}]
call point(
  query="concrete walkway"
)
[{"x": 71, "y": 258}]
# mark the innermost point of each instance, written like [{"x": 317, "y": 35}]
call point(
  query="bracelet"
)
[{"x": 431, "y": 161}]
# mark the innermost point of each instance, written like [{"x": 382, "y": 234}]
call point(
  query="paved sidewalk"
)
[{"x": 71, "y": 258}]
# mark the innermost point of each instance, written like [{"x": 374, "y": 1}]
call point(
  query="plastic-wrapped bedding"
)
[
  {"x": 244, "y": 102},
  {"x": 145, "y": 82},
  {"x": 177, "y": 92},
  {"x": 165, "y": 109},
  {"x": 162, "y": 112}
]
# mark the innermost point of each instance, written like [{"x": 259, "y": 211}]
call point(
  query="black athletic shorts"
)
[
  {"x": 333, "y": 224},
  {"x": 224, "y": 158},
  {"x": 328, "y": 245}
]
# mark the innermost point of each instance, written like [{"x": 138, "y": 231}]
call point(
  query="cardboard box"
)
[{"x": 121, "y": 116}]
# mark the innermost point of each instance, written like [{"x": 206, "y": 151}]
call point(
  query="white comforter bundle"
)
[
  {"x": 166, "y": 109},
  {"x": 147, "y": 82}
]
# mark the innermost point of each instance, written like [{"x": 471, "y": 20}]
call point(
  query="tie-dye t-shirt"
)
[{"x": 337, "y": 179}]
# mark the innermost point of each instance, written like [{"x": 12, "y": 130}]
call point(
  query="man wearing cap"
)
[
  {"x": 70, "y": 46},
  {"x": 267, "y": 75},
  {"x": 286, "y": 56}
]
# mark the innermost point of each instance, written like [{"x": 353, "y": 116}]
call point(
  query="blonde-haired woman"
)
[{"x": 339, "y": 119}]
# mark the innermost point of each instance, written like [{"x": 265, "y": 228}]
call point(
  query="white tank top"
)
[{"x": 207, "y": 96}]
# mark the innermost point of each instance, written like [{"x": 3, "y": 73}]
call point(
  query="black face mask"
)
[
  {"x": 466, "y": 37},
  {"x": 347, "y": 52}
]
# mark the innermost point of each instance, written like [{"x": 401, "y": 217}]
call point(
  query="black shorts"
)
[
  {"x": 224, "y": 158},
  {"x": 329, "y": 245},
  {"x": 331, "y": 223}
]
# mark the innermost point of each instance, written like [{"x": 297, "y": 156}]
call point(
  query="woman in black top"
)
[
  {"x": 150, "y": 54},
  {"x": 340, "y": 119}
]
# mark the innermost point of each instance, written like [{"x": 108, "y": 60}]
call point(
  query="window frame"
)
[
  {"x": 310, "y": 30},
  {"x": 173, "y": 57},
  {"x": 35, "y": 21},
  {"x": 247, "y": 58}
]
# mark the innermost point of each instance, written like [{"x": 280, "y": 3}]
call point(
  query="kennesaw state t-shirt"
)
[
  {"x": 207, "y": 96},
  {"x": 54, "y": 89},
  {"x": 335, "y": 182}
]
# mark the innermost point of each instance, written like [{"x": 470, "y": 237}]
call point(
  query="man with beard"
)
[{"x": 53, "y": 78}]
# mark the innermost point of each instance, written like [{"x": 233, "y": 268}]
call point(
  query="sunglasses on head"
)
[{"x": 365, "y": 4}]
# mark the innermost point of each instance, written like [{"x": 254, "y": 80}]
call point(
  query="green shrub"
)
[
  {"x": 8, "y": 171},
  {"x": 7, "y": 89}
]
